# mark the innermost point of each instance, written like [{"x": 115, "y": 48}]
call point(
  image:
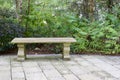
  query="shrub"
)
[
  {"x": 9, "y": 30},
  {"x": 97, "y": 37}
]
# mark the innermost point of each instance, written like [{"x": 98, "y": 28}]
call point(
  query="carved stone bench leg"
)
[
  {"x": 21, "y": 52},
  {"x": 66, "y": 51}
]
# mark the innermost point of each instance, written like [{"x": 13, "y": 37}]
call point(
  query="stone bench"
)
[{"x": 22, "y": 41}]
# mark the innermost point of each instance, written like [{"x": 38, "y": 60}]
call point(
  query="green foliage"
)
[
  {"x": 7, "y": 14},
  {"x": 8, "y": 28},
  {"x": 6, "y": 4},
  {"x": 47, "y": 21},
  {"x": 98, "y": 36},
  {"x": 55, "y": 18}
]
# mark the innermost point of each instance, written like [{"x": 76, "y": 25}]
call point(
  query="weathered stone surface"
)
[
  {"x": 18, "y": 75},
  {"x": 17, "y": 69},
  {"x": 80, "y": 67},
  {"x": 5, "y": 75},
  {"x": 29, "y": 64},
  {"x": 36, "y": 76},
  {"x": 43, "y": 40},
  {"x": 89, "y": 77},
  {"x": 70, "y": 77},
  {"x": 22, "y": 41}
]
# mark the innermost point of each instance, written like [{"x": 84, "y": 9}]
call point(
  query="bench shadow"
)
[{"x": 45, "y": 57}]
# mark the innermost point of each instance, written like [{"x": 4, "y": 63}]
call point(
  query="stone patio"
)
[{"x": 52, "y": 67}]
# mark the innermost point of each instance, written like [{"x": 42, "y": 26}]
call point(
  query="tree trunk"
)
[
  {"x": 85, "y": 9},
  {"x": 28, "y": 12},
  {"x": 91, "y": 9},
  {"x": 88, "y": 9},
  {"x": 110, "y": 5},
  {"x": 18, "y": 10}
]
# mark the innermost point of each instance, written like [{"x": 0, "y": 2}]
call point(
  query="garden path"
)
[{"x": 52, "y": 67}]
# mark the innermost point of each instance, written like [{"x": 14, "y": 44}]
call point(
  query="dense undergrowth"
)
[{"x": 100, "y": 36}]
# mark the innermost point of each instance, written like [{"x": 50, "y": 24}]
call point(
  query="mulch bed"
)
[{"x": 40, "y": 49}]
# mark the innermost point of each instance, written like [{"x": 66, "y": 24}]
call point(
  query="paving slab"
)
[
  {"x": 70, "y": 77},
  {"x": 52, "y": 67}
]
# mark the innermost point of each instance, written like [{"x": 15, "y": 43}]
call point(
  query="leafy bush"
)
[
  {"x": 6, "y": 13},
  {"x": 8, "y": 30},
  {"x": 48, "y": 24},
  {"x": 47, "y": 19},
  {"x": 98, "y": 36}
]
